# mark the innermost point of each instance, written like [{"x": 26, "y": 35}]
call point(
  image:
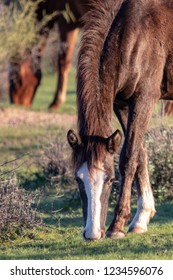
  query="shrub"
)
[
  {"x": 160, "y": 148},
  {"x": 16, "y": 211},
  {"x": 56, "y": 162},
  {"x": 19, "y": 27}
]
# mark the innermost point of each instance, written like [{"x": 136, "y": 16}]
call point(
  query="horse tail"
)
[{"x": 97, "y": 24}]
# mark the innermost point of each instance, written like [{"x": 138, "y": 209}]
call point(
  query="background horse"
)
[
  {"x": 25, "y": 75},
  {"x": 125, "y": 65}
]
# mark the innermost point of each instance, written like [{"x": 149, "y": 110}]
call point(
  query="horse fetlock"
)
[
  {"x": 61, "y": 98},
  {"x": 116, "y": 229},
  {"x": 141, "y": 220},
  {"x": 56, "y": 104},
  {"x": 137, "y": 229},
  {"x": 115, "y": 234},
  {"x": 152, "y": 214}
]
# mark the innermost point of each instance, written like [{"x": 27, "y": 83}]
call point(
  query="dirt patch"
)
[{"x": 17, "y": 117}]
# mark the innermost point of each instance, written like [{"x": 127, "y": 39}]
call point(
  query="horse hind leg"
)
[
  {"x": 146, "y": 208},
  {"x": 140, "y": 111},
  {"x": 145, "y": 204},
  {"x": 64, "y": 63}
]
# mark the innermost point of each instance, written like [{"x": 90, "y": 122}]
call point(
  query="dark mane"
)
[
  {"x": 94, "y": 94},
  {"x": 91, "y": 151},
  {"x": 89, "y": 87}
]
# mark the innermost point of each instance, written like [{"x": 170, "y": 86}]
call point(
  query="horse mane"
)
[
  {"x": 91, "y": 150},
  {"x": 95, "y": 106},
  {"x": 94, "y": 96}
]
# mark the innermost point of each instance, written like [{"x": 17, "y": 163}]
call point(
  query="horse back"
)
[{"x": 141, "y": 43}]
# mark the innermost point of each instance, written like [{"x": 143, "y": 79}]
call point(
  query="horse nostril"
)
[
  {"x": 102, "y": 234},
  {"x": 84, "y": 237},
  {"x": 87, "y": 238}
]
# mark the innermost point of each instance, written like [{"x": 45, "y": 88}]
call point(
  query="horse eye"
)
[
  {"x": 110, "y": 181},
  {"x": 78, "y": 180}
]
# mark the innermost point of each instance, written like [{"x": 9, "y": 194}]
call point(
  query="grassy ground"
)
[
  {"x": 46, "y": 91},
  {"x": 60, "y": 235},
  {"x": 64, "y": 241}
]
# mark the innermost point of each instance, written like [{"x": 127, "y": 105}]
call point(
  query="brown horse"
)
[
  {"x": 125, "y": 66},
  {"x": 25, "y": 75}
]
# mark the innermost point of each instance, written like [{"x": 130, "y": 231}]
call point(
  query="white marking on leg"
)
[
  {"x": 93, "y": 186},
  {"x": 145, "y": 209}
]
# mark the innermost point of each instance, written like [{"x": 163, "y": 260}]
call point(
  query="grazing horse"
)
[
  {"x": 25, "y": 76},
  {"x": 125, "y": 65}
]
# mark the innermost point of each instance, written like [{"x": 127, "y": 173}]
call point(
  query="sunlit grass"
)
[
  {"x": 46, "y": 91},
  {"x": 64, "y": 241}
]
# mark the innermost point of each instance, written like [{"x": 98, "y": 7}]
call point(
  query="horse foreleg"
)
[
  {"x": 138, "y": 119},
  {"x": 64, "y": 64}
]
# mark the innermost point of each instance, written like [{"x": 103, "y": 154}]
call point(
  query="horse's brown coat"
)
[{"x": 125, "y": 64}]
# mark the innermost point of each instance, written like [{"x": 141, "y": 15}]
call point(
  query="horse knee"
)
[
  {"x": 127, "y": 169},
  {"x": 64, "y": 65}
]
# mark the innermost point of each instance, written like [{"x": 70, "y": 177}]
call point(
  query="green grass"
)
[
  {"x": 60, "y": 237},
  {"x": 46, "y": 92},
  {"x": 20, "y": 148},
  {"x": 64, "y": 241}
]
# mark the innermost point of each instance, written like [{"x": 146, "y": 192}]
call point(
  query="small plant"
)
[
  {"x": 19, "y": 27},
  {"x": 56, "y": 162},
  {"x": 16, "y": 211},
  {"x": 160, "y": 147},
  {"x": 56, "y": 165}
]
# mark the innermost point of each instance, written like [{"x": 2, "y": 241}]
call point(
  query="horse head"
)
[
  {"x": 94, "y": 172},
  {"x": 24, "y": 77}
]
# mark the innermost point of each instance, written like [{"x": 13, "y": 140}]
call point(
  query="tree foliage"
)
[{"x": 19, "y": 27}]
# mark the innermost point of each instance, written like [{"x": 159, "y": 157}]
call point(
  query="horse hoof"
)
[
  {"x": 115, "y": 234},
  {"x": 53, "y": 107},
  {"x": 137, "y": 230}
]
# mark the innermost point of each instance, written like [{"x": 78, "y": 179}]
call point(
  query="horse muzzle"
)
[{"x": 93, "y": 235}]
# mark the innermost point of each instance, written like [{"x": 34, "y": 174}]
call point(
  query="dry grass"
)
[{"x": 14, "y": 117}]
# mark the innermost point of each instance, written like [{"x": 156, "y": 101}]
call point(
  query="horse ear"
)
[
  {"x": 114, "y": 141},
  {"x": 73, "y": 139}
]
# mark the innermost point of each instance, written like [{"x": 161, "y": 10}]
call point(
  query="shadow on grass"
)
[
  {"x": 64, "y": 240},
  {"x": 64, "y": 222},
  {"x": 35, "y": 181},
  {"x": 127, "y": 248}
]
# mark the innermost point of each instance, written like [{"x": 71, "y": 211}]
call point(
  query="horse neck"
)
[{"x": 95, "y": 115}]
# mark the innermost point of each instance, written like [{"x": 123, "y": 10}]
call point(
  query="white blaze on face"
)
[{"x": 93, "y": 186}]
